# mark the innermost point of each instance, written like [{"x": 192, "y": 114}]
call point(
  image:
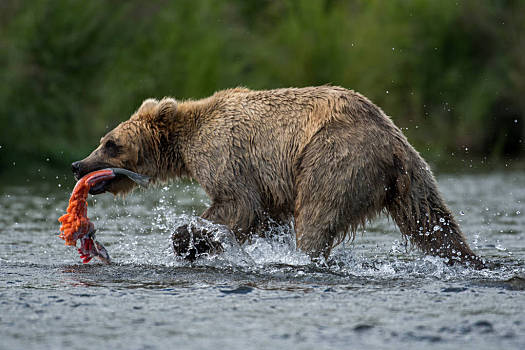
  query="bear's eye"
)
[{"x": 111, "y": 148}]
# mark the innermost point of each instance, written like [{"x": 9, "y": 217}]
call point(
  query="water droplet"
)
[
  {"x": 461, "y": 212},
  {"x": 437, "y": 228},
  {"x": 387, "y": 91},
  {"x": 500, "y": 247},
  {"x": 59, "y": 185},
  {"x": 441, "y": 220},
  {"x": 518, "y": 212}
]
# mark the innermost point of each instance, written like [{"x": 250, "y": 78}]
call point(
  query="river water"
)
[{"x": 374, "y": 293}]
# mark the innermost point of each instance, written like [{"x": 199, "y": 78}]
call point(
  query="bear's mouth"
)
[
  {"x": 124, "y": 181},
  {"x": 101, "y": 187},
  {"x": 119, "y": 184},
  {"x": 105, "y": 185}
]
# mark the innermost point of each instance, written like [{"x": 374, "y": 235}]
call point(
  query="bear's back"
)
[{"x": 256, "y": 137}]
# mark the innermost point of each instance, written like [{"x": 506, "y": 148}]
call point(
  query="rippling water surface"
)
[{"x": 266, "y": 295}]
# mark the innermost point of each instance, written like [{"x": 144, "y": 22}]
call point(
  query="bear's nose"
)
[{"x": 75, "y": 167}]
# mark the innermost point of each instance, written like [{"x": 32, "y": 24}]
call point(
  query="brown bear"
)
[{"x": 325, "y": 158}]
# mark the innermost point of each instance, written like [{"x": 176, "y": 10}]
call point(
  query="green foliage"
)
[{"x": 449, "y": 73}]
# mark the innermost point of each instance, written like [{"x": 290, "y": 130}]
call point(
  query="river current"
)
[{"x": 375, "y": 292}]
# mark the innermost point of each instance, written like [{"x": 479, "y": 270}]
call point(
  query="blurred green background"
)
[{"x": 450, "y": 73}]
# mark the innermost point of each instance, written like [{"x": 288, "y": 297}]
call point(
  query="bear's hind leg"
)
[
  {"x": 338, "y": 189},
  {"x": 324, "y": 216}
]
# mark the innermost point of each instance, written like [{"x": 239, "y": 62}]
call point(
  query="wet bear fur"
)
[{"x": 325, "y": 158}]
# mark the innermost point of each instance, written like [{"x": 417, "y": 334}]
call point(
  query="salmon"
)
[{"x": 76, "y": 224}]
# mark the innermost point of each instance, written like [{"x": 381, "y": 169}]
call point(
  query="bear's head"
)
[{"x": 147, "y": 144}]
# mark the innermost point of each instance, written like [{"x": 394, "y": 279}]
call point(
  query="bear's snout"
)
[
  {"x": 86, "y": 166},
  {"x": 83, "y": 167},
  {"x": 75, "y": 168}
]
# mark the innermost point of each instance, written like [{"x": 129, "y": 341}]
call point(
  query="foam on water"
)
[
  {"x": 278, "y": 248},
  {"x": 137, "y": 230},
  {"x": 142, "y": 243}
]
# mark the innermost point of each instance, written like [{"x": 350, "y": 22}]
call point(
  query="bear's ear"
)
[
  {"x": 146, "y": 109},
  {"x": 165, "y": 110}
]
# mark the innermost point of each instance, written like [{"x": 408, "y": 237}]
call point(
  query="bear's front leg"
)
[
  {"x": 190, "y": 242},
  {"x": 233, "y": 220}
]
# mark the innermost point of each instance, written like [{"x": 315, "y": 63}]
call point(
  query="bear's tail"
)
[{"x": 416, "y": 206}]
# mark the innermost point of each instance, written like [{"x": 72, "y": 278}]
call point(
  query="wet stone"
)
[
  {"x": 239, "y": 290},
  {"x": 484, "y": 326},
  {"x": 363, "y": 328},
  {"x": 454, "y": 289}
]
